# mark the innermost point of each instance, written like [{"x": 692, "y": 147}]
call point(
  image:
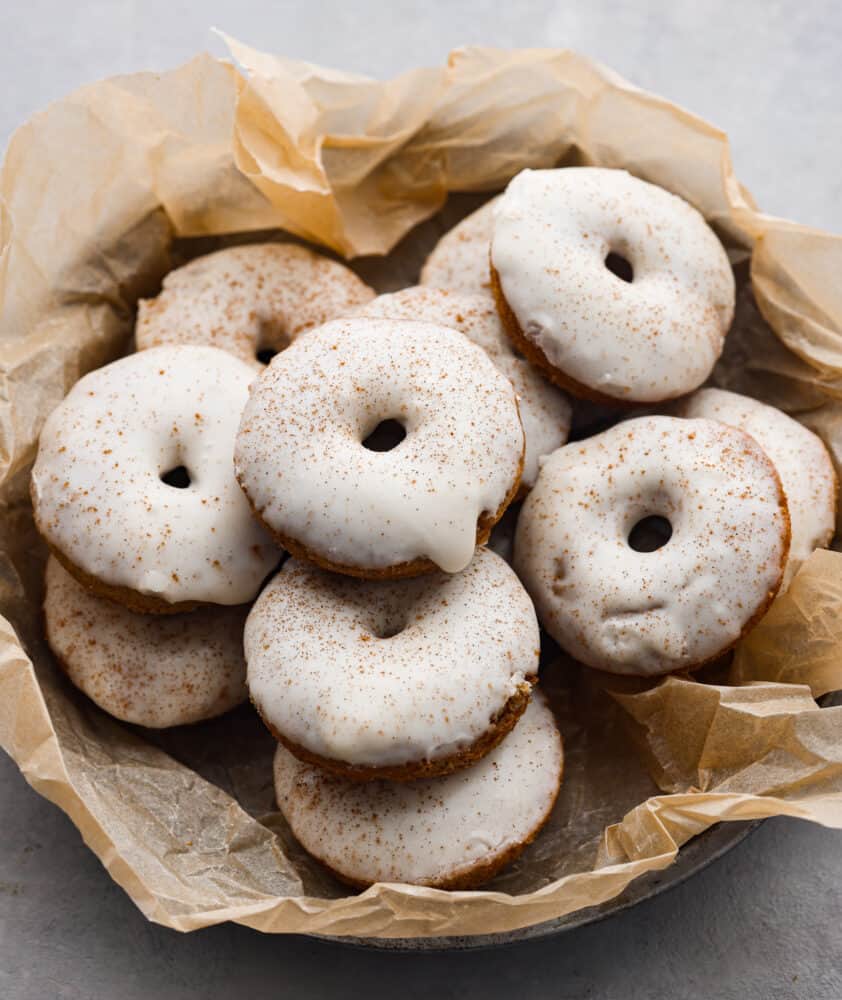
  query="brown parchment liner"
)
[{"x": 105, "y": 190}]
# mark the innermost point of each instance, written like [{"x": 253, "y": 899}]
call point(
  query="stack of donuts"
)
[{"x": 356, "y": 510}]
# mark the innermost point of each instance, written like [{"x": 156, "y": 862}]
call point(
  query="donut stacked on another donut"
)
[
  {"x": 418, "y": 675},
  {"x": 614, "y": 287},
  {"x": 404, "y": 718},
  {"x": 302, "y": 460},
  {"x": 662, "y": 604},
  {"x": 134, "y": 489},
  {"x": 251, "y": 301},
  {"x": 398, "y": 679}
]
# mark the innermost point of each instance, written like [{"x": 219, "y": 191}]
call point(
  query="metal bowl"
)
[{"x": 692, "y": 858}]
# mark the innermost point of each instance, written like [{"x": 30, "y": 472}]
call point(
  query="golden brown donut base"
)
[
  {"x": 466, "y": 878},
  {"x": 535, "y": 356},
  {"x": 141, "y": 603},
  {"x": 415, "y": 567},
  {"x": 759, "y": 612},
  {"x": 501, "y": 725}
]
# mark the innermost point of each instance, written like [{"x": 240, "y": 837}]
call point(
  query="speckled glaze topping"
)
[
  {"x": 452, "y": 831},
  {"x": 645, "y": 340},
  {"x": 388, "y": 672},
  {"x": 152, "y": 670},
  {"x": 459, "y": 260},
  {"x": 302, "y": 463},
  {"x": 802, "y": 461},
  {"x": 97, "y": 491},
  {"x": 248, "y": 299},
  {"x": 544, "y": 409},
  {"x": 651, "y": 612}
]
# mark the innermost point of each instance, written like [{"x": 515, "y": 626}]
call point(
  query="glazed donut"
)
[
  {"x": 454, "y": 832},
  {"x": 397, "y": 679},
  {"x": 301, "y": 460},
  {"x": 544, "y": 410},
  {"x": 681, "y": 604},
  {"x": 151, "y": 670},
  {"x": 106, "y": 486},
  {"x": 251, "y": 300},
  {"x": 616, "y": 288},
  {"x": 459, "y": 261},
  {"x": 802, "y": 461}
]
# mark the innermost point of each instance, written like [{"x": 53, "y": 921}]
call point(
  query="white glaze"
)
[
  {"x": 427, "y": 832},
  {"x": 300, "y": 459},
  {"x": 248, "y": 298},
  {"x": 459, "y": 260},
  {"x": 323, "y": 677},
  {"x": 98, "y": 497},
  {"x": 652, "y": 612},
  {"x": 649, "y": 340},
  {"x": 152, "y": 670},
  {"x": 544, "y": 409},
  {"x": 801, "y": 459}
]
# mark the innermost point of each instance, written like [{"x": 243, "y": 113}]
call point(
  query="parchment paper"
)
[{"x": 104, "y": 191}]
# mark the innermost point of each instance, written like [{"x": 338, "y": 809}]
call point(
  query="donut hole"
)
[
  {"x": 388, "y": 623},
  {"x": 391, "y": 630},
  {"x": 265, "y": 354},
  {"x": 387, "y": 435},
  {"x": 178, "y": 478},
  {"x": 650, "y": 533},
  {"x": 620, "y": 266},
  {"x": 272, "y": 338}
]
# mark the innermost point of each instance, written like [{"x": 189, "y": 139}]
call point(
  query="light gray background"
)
[{"x": 766, "y": 921}]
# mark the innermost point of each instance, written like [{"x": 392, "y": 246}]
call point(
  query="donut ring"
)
[
  {"x": 423, "y": 504},
  {"x": 459, "y": 261},
  {"x": 454, "y": 832},
  {"x": 100, "y": 501},
  {"x": 150, "y": 670},
  {"x": 803, "y": 463},
  {"x": 398, "y": 679},
  {"x": 249, "y": 300},
  {"x": 562, "y": 239},
  {"x": 689, "y": 600},
  {"x": 544, "y": 411}
]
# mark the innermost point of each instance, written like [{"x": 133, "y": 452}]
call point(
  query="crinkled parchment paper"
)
[{"x": 107, "y": 189}]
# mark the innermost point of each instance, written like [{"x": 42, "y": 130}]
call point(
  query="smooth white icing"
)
[
  {"x": 801, "y": 459},
  {"x": 651, "y": 339},
  {"x": 456, "y": 649},
  {"x": 652, "y": 612},
  {"x": 97, "y": 493},
  {"x": 152, "y": 670},
  {"x": 427, "y": 832},
  {"x": 247, "y": 298},
  {"x": 300, "y": 458},
  {"x": 544, "y": 409},
  {"x": 459, "y": 260}
]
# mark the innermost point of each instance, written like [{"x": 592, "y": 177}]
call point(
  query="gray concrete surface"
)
[{"x": 763, "y": 923}]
